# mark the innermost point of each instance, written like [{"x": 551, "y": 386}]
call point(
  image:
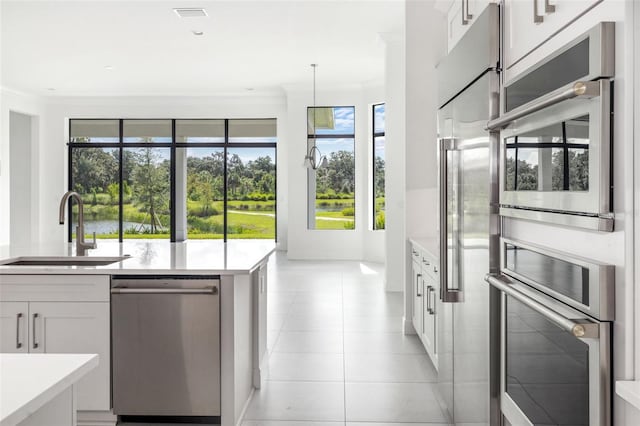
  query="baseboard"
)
[
  {"x": 407, "y": 326},
  {"x": 96, "y": 418}
]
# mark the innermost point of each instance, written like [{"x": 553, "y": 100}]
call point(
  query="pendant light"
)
[{"x": 314, "y": 158}]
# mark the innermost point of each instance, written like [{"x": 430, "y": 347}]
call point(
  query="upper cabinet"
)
[
  {"x": 529, "y": 23},
  {"x": 461, "y": 16}
]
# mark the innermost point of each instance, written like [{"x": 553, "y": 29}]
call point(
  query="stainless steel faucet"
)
[{"x": 81, "y": 245}]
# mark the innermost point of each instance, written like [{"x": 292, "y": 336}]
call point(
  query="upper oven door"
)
[{"x": 558, "y": 158}]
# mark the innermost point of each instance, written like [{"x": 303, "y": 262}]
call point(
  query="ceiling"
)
[{"x": 141, "y": 47}]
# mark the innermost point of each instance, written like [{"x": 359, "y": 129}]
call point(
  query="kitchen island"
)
[{"x": 68, "y": 308}]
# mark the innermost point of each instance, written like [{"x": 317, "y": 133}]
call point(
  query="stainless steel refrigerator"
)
[{"x": 468, "y": 80}]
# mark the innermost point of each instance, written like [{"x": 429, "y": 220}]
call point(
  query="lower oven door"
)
[{"x": 552, "y": 372}]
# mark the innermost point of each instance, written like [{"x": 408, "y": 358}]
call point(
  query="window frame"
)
[
  {"x": 375, "y": 135},
  {"x": 173, "y": 146}
]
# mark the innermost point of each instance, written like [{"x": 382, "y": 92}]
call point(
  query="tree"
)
[
  {"x": 93, "y": 169},
  {"x": 378, "y": 177},
  {"x": 339, "y": 175},
  {"x": 151, "y": 184}
]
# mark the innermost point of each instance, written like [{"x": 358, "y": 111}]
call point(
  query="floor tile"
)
[
  {"x": 315, "y": 401},
  {"x": 392, "y": 402},
  {"x": 313, "y": 322},
  {"x": 382, "y": 343},
  {"x": 275, "y": 321},
  {"x": 329, "y": 308},
  {"x": 389, "y": 368},
  {"x": 309, "y": 341},
  {"x": 306, "y": 367},
  {"x": 373, "y": 323}
]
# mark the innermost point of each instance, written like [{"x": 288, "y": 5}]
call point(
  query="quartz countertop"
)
[
  {"x": 430, "y": 245},
  {"x": 150, "y": 256},
  {"x": 29, "y": 381}
]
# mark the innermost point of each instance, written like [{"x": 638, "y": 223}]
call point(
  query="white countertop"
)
[
  {"x": 29, "y": 381},
  {"x": 151, "y": 256},
  {"x": 430, "y": 245}
]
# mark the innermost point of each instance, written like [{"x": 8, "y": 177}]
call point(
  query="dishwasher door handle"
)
[{"x": 127, "y": 290}]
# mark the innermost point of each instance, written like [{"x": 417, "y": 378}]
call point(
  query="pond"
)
[{"x": 110, "y": 226}]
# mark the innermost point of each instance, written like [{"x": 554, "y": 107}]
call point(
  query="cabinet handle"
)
[
  {"x": 548, "y": 7},
  {"x": 18, "y": 342},
  {"x": 433, "y": 305},
  {"x": 537, "y": 19},
  {"x": 418, "y": 276},
  {"x": 466, "y": 17},
  {"x": 35, "y": 342},
  {"x": 430, "y": 309}
]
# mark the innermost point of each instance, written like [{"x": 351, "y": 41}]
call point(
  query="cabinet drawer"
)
[{"x": 54, "y": 288}]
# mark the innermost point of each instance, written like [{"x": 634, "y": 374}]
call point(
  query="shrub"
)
[
  {"x": 348, "y": 211},
  {"x": 380, "y": 220},
  {"x": 350, "y": 224}
]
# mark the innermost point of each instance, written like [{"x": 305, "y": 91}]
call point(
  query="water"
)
[{"x": 110, "y": 226}]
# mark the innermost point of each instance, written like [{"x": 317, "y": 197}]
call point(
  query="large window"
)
[
  {"x": 378, "y": 165},
  {"x": 174, "y": 179},
  {"x": 331, "y": 188}
]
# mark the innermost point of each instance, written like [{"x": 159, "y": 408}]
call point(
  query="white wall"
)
[
  {"x": 31, "y": 106},
  {"x": 54, "y": 123},
  {"x": 331, "y": 244},
  {"x": 22, "y": 213},
  {"x": 411, "y": 86}
]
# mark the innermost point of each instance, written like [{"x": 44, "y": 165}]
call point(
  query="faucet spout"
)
[{"x": 81, "y": 245}]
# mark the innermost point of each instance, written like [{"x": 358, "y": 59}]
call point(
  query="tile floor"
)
[{"x": 337, "y": 355}]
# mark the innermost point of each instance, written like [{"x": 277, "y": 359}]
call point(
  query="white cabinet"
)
[
  {"x": 425, "y": 290},
  {"x": 460, "y": 17},
  {"x": 74, "y": 328},
  {"x": 418, "y": 309},
  {"x": 60, "y": 327},
  {"x": 430, "y": 300},
  {"x": 529, "y": 23},
  {"x": 13, "y": 327}
]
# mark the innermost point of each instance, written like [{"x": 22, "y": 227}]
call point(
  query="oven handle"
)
[
  {"x": 124, "y": 290},
  {"x": 576, "y": 329},
  {"x": 579, "y": 89}
]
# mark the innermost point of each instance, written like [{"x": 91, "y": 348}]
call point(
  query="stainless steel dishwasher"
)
[{"x": 165, "y": 346}]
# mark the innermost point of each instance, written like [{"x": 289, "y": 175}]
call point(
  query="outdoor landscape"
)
[{"x": 146, "y": 192}]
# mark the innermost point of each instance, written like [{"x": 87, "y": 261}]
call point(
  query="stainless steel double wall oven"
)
[{"x": 557, "y": 309}]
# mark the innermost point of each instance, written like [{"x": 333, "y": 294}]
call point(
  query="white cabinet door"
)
[
  {"x": 523, "y": 32},
  {"x": 417, "y": 298},
  {"x": 429, "y": 320},
  {"x": 461, "y": 16},
  {"x": 76, "y": 327},
  {"x": 14, "y": 327}
]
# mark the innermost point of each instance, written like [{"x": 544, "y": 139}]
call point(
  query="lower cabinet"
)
[
  {"x": 426, "y": 299},
  {"x": 418, "y": 310},
  {"x": 14, "y": 318},
  {"x": 30, "y": 323},
  {"x": 73, "y": 328}
]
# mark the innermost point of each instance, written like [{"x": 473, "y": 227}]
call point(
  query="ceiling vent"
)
[{"x": 190, "y": 12}]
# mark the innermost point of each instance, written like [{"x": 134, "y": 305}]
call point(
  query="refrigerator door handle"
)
[{"x": 447, "y": 294}]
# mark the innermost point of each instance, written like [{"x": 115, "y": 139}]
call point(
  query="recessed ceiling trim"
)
[{"x": 190, "y": 12}]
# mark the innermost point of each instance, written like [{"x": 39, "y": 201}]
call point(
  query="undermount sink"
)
[{"x": 62, "y": 261}]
